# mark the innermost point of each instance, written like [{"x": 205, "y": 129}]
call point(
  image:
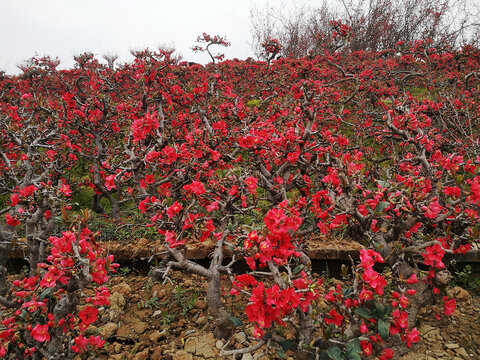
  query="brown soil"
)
[{"x": 171, "y": 322}]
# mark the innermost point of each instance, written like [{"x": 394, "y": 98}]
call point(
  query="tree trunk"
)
[{"x": 223, "y": 325}]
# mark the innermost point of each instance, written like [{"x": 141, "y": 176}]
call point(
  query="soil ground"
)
[{"x": 149, "y": 320}]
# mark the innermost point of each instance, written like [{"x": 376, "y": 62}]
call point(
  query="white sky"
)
[{"x": 63, "y": 28}]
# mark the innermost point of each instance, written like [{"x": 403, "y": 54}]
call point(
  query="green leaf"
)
[
  {"x": 335, "y": 353},
  {"x": 236, "y": 321},
  {"x": 363, "y": 313},
  {"x": 383, "y": 329},
  {"x": 44, "y": 294},
  {"x": 286, "y": 344},
  {"x": 324, "y": 356},
  {"x": 353, "y": 347},
  {"x": 353, "y": 356},
  {"x": 281, "y": 354},
  {"x": 380, "y": 309},
  {"x": 253, "y": 103},
  {"x": 381, "y": 206},
  {"x": 298, "y": 268},
  {"x": 348, "y": 292},
  {"x": 387, "y": 312}
]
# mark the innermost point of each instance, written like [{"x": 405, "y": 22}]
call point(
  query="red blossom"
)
[
  {"x": 110, "y": 182},
  {"x": 195, "y": 187},
  {"x": 449, "y": 305},
  {"x": 11, "y": 220},
  {"x": 334, "y": 318},
  {"x": 40, "y": 333},
  {"x": 174, "y": 209}
]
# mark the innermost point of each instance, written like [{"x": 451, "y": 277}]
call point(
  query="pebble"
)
[
  {"x": 202, "y": 320},
  {"x": 240, "y": 337},
  {"x": 219, "y": 344}
]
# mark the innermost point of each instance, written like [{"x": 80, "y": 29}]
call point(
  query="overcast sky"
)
[{"x": 63, "y": 28}]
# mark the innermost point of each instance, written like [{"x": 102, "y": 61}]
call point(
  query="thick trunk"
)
[
  {"x": 305, "y": 335},
  {"x": 423, "y": 295},
  {"x": 223, "y": 325},
  {"x": 96, "y": 206},
  {"x": 5, "y": 248}
]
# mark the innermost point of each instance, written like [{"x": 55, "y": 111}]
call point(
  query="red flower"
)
[
  {"x": 450, "y": 305},
  {"x": 11, "y": 220},
  {"x": 365, "y": 295},
  {"x": 14, "y": 199},
  {"x": 27, "y": 191},
  {"x": 412, "y": 336},
  {"x": 434, "y": 255},
  {"x": 335, "y": 318},
  {"x": 174, "y": 209},
  {"x": 142, "y": 206},
  {"x": 433, "y": 209},
  {"x": 363, "y": 327},
  {"x": 65, "y": 189},
  {"x": 251, "y": 183},
  {"x": 171, "y": 238},
  {"x": 463, "y": 249},
  {"x": 88, "y": 316},
  {"x": 386, "y": 354},
  {"x": 170, "y": 154},
  {"x": 412, "y": 279},
  {"x": 110, "y": 183},
  {"x": 149, "y": 179},
  {"x": 49, "y": 280},
  {"x": 366, "y": 347},
  {"x": 195, "y": 187},
  {"x": 40, "y": 333}
]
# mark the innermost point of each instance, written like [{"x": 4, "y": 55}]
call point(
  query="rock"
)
[
  {"x": 122, "y": 288},
  {"x": 157, "y": 335},
  {"x": 157, "y": 313},
  {"x": 182, "y": 355},
  {"x": 117, "y": 300},
  {"x": 202, "y": 320},
  {"x": 247, "y": 357},
  {"x": 126, "y": 332},
  {"x": 122, "y": 356},
  {"x": 203, "y": 346},
  {"x": 219, "y": 344},
  {"x": 139, "y": 327},
  {"x": 157, "y": 354},
  {"x": 200, "y": 304},
  {"x": 458, "y": 293},
  {"x": 117, "y": 303},
  {"x": 240, "y": 337},
  {"x": 117, "y": 347},
  {"x": 143, "y": 355},
  {"x": 108, "y": 330},
  {"x": 461, "y": 352}
]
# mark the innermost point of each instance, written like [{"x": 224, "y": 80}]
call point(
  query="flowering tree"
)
[
  {"x": 209, "y": 41},
  {"x": 257, "y": 159}
]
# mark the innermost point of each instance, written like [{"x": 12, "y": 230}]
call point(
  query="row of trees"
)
[
  {"x": 258, "y": 157},
  {"x": 370, "y": 25}
]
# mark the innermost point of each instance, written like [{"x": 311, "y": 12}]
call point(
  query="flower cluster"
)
[{"x": 47, "y": 304}]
